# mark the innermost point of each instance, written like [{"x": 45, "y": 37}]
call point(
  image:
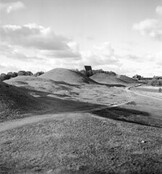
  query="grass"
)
[
  {"x": 81, "y": 143},
  {"x": 119, "y": 140},
  {"x": 129, "y": 115}
]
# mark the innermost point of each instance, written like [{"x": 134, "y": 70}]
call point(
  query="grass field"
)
[
  {"x": 81, "y": 143},
  {"x": 88, "y": 128}
]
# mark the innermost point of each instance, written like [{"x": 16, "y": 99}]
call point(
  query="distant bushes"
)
[
  {"x": 102, "y": 71},
  {"x": 99, "y": 71},
  {"x": 25, "y": 73},
  {"x": 3, "y": 77},
  {"x": 155, "y": 82},
  {"x": 10, "y": 75},
  {"x": 137, "y": 77},
  {"x": 38, "y": 73}
]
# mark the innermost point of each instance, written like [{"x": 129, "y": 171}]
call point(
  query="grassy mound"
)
[
  {"x": 14, "y": 102},
  {"x": 66, "y": 75},
  {"x": 106, "y": 78},
  {"x": 127, "y": 79},
  {"x": 112, "y": 79}
]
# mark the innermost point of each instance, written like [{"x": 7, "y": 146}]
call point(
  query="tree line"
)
[{"x": 10, "y": 75}]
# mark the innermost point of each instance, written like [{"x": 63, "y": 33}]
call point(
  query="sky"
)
[{"x": 124, "y": 36}]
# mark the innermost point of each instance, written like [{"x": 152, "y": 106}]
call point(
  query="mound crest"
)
[
  {"x": 127, "y": 79},
  {"x": 112, "y": 79},
  {"x": 66, "y": 75},
  {"x": 106, "y": 78}
]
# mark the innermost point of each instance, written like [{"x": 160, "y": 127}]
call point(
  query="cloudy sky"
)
[{"x": 124, "y": 36}]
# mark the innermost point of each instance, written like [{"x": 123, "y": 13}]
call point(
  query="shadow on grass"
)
[
  {"x": 26, "y": 105},
  {"x": 45, "y": 104},
  {"x": 54, "y": 105},
  {"x": 130, "y": 116}
]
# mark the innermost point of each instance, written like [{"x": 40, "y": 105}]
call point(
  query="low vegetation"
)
[
  {"x": 10, "y": 75},
  {"x": 155, "y": 82}
]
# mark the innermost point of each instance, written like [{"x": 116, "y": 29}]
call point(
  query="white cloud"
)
[
  {"x": 40, "y": 46},
  {"x": 33, "y": 36},
  {"x": 36, "y": 45},
  {"x": 159, "y": 10},
  {"x": 11, "y": 6},
  {"x": 108, "y": 58},
  {"x": 40, "y": 39},
  {"x": 101, "y": 55},
  {"x": 150, "y": 27}
]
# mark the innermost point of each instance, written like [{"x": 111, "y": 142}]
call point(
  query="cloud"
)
[
  {"x": 159, "y": 10},
  {"x": 40, "y": 39},
  {"x": 7, "y": 68},
  {"x": 108, "y": 58},
  {"x": 150, "y": 27},
  {"x": 2, "y": 67},
  {"x": 33, "y": 36},
  {"x": 101, "y": 55},
  {"x": 62, "y": 54},
  {"x": 11, "y": 6},
  {"x": 41, "y": 49}
]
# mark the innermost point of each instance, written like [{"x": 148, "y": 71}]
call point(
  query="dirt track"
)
[{"x": 33, "y": 119}]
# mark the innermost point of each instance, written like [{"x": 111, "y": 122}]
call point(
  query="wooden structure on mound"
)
[{"x": 89, "y": 71}]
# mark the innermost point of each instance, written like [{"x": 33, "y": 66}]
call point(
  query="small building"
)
[{"x": 88, "y": 69}]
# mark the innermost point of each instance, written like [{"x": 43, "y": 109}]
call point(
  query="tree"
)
[
  {"x": 29, "y": 73},
  {"x": 138, "y": 77},
  {"x": 38, "y": 73},
  {"x": 4, "y": 76},
  {"x": 21, "y": 73},
  {"x": 12, "y": 74}
]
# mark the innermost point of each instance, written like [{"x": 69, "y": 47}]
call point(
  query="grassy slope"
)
[
  {"x": 17, "y": 102},
  {"x": 66, "y": 75},
  {"x": 113, "y": 79},
  {"x": 106, "y": 141},
  {"x": 106, "y": 78},
  {"x": 81, "y": 143},
  {"x": 92, "y": 93},
  {"x": 14, "y": 102},
  {"x": 144, "y": 103}
]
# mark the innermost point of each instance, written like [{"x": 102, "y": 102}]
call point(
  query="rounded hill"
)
[
  {"x": 112, "y": 79},
  {"x": 127, "y": 79},
  {"x": 106, "y": 78},
  {"x": 66, "y": 75}
]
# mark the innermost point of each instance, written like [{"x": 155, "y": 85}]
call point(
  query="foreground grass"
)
[{"x": 81, "y": 143}]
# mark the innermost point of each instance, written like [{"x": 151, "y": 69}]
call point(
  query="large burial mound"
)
[
  {"x": 37, "y": 85},
  {"x": 66, "y": 75},
  {"x": 112, "y": 79},
  {"x": 15, "y": 102}
]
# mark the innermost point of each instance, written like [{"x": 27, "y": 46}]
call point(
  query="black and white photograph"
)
[{"x": 80, "y": 86}]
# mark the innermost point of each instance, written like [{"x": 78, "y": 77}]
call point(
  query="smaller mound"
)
[
  {"x": 107, "y": 79},
  {"x": 67, "y": 75},
  {"x": 14, "y": 102},
  {"x": 112, "y": 79},
  {"x": 127, "y": 79}
]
